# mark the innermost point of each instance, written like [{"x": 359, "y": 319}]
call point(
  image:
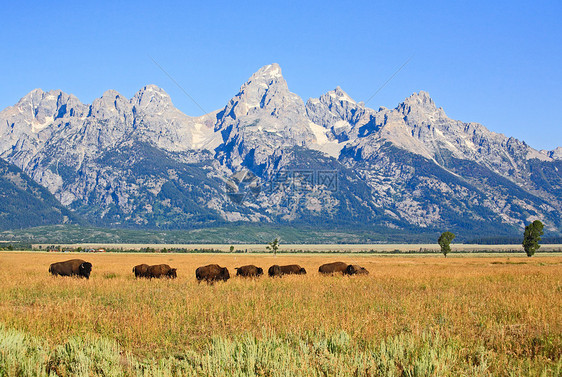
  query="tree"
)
[
  {"x": 445, "y": 242},
  {"x": 273, "y": 245},
  {"x": 232, "y": 248},
  {"x": 532, "y": 237}
]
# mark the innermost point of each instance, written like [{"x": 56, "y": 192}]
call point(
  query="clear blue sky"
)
[{"x": 493, "y": 62}]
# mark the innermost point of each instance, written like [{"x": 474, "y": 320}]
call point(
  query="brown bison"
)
[
  {"x": 290, "y": 269},
  {"x": 332, "y": 268},
  {"x": 354, "y": 269},
  {"x": 141, "y": 271},
  {"x": 274, "y": 270},
  {"x": 249, "y": 271},
  {"x": 161, "y": 270},
  {"x": 73, "y": 267},
  {"x": 212, "y": 273}
]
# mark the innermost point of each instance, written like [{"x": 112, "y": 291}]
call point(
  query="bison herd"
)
[{"x": 210, "y": 273}]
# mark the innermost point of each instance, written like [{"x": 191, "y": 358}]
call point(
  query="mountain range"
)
[{"x": 269, "y": 157}]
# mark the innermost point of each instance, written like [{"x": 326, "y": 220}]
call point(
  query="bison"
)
[
  {"x": 73, "y": 267},
  {"x": 249, "y": 271},
  {"x": 290, "y": 269},
  {"x": 335, "y": 267},
  {"x": 141, "y": 271},
  {"x": 274, "y": 270},
  {"x": 161, "y": 270},
  {"x": 354, "y": 269},
  {"x": 212, "y": 273}
]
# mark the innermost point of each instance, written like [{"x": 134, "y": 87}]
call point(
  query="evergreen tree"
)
[
  {"x": 445, "y": 242},
  {"x": 532, "y": 237}
]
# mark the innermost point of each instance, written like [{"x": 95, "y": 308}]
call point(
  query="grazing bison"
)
[
  {"x": 354, "y": 269},
  {"x": 335, "y": 267},
  {"x": 290, "y": 269},
  {"x": 141, "y": 271},
  {"x": 161, "y": 270},
  {"x": 249, "y": 271},
  {"x": 73, "y": 267},
  {"x": 212, "y": 273}
]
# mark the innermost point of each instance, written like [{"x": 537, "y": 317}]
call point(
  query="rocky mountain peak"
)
[
  {"x": 419, "y": 110},
  {"x": 40, "y": 109},
  {"x": 110, "y": 105},
  {"x": 268, "y": 73},
  {"x": 152, "y": 99},
  {"x": 263, "y": 116},
  {"x": 420, "y": 102},
  {"x": 420, "y": 99},
  {"x": 340, "y": 95},
  {"x": 338, "y": 112},
  {"x": 32, "y": 97},
  {"x": 265, "y": 89},
  {"x": 266, "y": 93}
]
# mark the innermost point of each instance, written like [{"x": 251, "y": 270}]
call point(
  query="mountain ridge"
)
[{"x": 265, "y": 128}]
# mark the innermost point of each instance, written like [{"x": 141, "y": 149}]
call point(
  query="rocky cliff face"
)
[
  {"x": 263, "y": 117},
  {"x": 141, "y": 162}
]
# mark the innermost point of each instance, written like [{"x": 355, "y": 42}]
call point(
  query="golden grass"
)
[{"x": 509, "y": 306}]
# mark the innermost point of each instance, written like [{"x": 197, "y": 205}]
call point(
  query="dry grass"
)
[{"x": 510, "y": 307}]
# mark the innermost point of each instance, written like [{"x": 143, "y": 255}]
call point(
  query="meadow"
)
[{"x": 412, "y": 316}]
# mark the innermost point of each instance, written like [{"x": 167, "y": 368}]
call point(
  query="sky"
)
[{"x": 492, "y": 62}]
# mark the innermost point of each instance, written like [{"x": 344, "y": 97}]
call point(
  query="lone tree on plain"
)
[
  {"x": 532, "y": 237},
  {"x": 273, "y": 245},
  {"x": 445, "y": 242}
]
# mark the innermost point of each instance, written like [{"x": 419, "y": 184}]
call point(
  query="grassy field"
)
[{"x": 412, "y": 316}]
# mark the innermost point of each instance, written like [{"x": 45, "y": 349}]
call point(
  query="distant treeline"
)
[
  {"x": 511, "y": 241},
  {"x": 15, "y": 246}
]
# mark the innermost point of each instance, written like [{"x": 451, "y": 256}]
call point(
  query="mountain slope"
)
[{"x": 24, "y": 203}]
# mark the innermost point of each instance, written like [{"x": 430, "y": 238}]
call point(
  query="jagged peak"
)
[
  {"x": 340, "y": 95},
  {"x": 34, "y": 92},
  {"x": 111, "y": 93},
  {"x": 421, "y": 97},
  {"x": 111, "y": 100},
  {"x": 32, "y": 96},
  {"x": 266, "y": 76},
  {"x": 39, "y": 98},
  {"x": 269, "y": 71},
  {"x": 265, "y": 89},
  {"x": 151, "y": 88},
  {"x": 153, "y": 96},
  {"x": 420, "y": 101}
]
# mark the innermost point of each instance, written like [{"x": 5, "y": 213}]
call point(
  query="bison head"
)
[
  {"x": 302, "y": 271},
  {"x": 85, "y": 269},
  {"x": 224, "y": 274},
  {"x": 260, "y": 271},
  {"x": 353, "y": 269},
  {"x": 172, "y": 273}
]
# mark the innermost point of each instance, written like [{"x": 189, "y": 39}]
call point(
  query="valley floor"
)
[
  {"x": 313, "y": 248},
  {"x": 424, "y": 316}
]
